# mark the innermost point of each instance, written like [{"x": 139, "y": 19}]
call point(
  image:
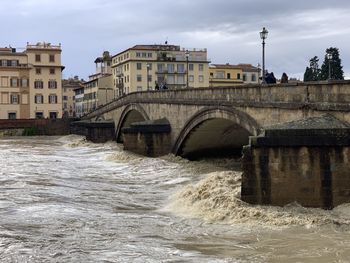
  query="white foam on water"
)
[{"x": 216, "y": 199}]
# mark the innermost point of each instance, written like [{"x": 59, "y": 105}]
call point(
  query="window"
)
[
  {"x": 39, "y": 99},
  {"x": 170, "y": 68},
  {"x": 211, "y": 74},
  {"x": 139, "y": 78},
  {"x": 52, "y": 84},
  {"x": 253, "y": 77},
  {"x": 239, "y": 76},
  {"x": 38, "y": 84},
  {"x": 37, "y": 58},
  {"x": 149, "y": 79},
  {"x": 65, "y": 106},
  {"x": 52, "y": 58},
  {"x": 52, "y": 71},
  {"x": 53, "y": 115},
  {"x": 65, "y": 97},
  {"x": 14, "y": 98},
  {"x": 149, "y": 66},
  {"x": 149, "y": 55},
  {"x": 244, "y": 77},
  {"x": 160, "y": 68},
  {"x": 220, "y": 74},
  {"x": 12, "y": 115},
  {"x": 190, "y": 78},
  {"x": 190, "y": 67},
  {"x": 170, "y": 79},
  {"x": 39, "y": 115},
  {"x": 229, "y": 75},
  {"x": 201, "y": 78},
  {"x": 138, "y": 54},
  {"x": 14, "y": 63},
  {"x": 180, "y": 68},
  {"x": 38, "y": 71},
  {"x": 52, "y": 99},
  {"x": 144, "y": 54},
  {"x": 180, "y": 79},
  {"x": 138, "y": 66},
  {"x": 14, "y": 82},
  {"x": 200, "y": 67},
  {"x": 4, "y": 63}
]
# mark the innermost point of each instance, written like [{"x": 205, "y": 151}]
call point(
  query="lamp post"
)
[
  {"x": 148, "y": 66},
  {"x": 263, "y": 36},
  {"x": 187, "y": 54},
  {"x": 330, "y": 57}
]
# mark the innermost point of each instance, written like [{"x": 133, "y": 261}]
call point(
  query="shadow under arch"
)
[
  {"x": 132, "y": 113},
  {"x": 215, "y": 131}
]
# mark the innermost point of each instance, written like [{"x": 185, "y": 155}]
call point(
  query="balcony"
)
[{"x": 166, "y": 72}]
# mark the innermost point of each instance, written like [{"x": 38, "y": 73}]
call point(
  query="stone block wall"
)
[{"x": 311, "y": 176}]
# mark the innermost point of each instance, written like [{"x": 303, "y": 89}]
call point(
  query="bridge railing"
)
[{"x": 319, "y": 95}]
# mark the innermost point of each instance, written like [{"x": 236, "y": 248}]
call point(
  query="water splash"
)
[{"x": 216, "y": 199}]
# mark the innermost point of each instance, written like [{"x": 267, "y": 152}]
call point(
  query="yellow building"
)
[
  {"x": 150, "y": 67},
  {"x": 225, "y": 75},
  {"x": 231, "y": 75},
  {"x": 30, "y": 82}
]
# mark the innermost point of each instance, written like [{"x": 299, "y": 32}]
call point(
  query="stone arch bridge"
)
[{"x": 221, "y": 119}]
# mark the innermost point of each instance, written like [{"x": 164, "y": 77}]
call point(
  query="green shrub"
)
[{"x": 32, "y": 131}]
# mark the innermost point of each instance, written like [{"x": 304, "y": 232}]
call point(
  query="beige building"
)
[
  {"x": 225, "y": 75},
  {"x": 150, "y": 67},
  {"x": 98, "y": 90},
  {"x": 30, "y": 82},
  {"x": 230, "y": 75},
  {"x": 251, "y": 74},
  {"x": 69, "y": 86}
]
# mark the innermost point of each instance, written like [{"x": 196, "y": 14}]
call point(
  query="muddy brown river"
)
[{"x": 63, "y": 199}]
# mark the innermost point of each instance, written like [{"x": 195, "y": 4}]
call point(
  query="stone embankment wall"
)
[{"x": 35, "y": 127}]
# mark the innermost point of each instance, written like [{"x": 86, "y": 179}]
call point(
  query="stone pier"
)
[
  {"x": 148, "y": 138},
  {"x": 306, "y": 161}
]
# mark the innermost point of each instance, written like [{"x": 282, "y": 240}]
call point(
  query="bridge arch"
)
[
  {"x": 215, "y": 128},
  {"x": 132, "y": 113}
]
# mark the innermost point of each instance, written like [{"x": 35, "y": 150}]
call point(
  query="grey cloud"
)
[{"x": 228, "y": 28}]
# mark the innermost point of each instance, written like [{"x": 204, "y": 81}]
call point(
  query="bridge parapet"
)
[{"x": 326, "y": 96}]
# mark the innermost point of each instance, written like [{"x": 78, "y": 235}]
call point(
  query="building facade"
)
[
  {"x": 151, "y": 67},
  {"x": 251, "y": 74},
  {"x": 30, "y": 82},
  {"x": 225, "y": 75},
  {"x": 99, "y": 90},
  {"x": 69, "y": 86}
]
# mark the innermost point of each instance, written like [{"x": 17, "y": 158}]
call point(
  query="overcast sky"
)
[{"x": 229, "y": 29}]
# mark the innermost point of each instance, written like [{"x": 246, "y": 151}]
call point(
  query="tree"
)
[
  {"x": 332, "y": 65},
  {"x": 312, "y": 73},
  {"x": 308, "y": 74}
]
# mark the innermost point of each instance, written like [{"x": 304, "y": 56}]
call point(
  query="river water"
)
[{"x": 65, "y": 200}]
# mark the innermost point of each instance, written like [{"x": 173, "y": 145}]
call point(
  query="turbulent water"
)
[{"x": 65, "y": 200}]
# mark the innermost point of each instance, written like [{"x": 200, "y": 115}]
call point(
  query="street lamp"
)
[
  {"x": 148, "y": 66},
  {"x": 263, "y": 36},
  {"x": 330, "y": 57},
  {"x": 187, "y": 54}
]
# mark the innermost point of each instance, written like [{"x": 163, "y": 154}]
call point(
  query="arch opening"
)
[
  {"x": 216, "y": 137},
  {"x": 130, "y": 117}
]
